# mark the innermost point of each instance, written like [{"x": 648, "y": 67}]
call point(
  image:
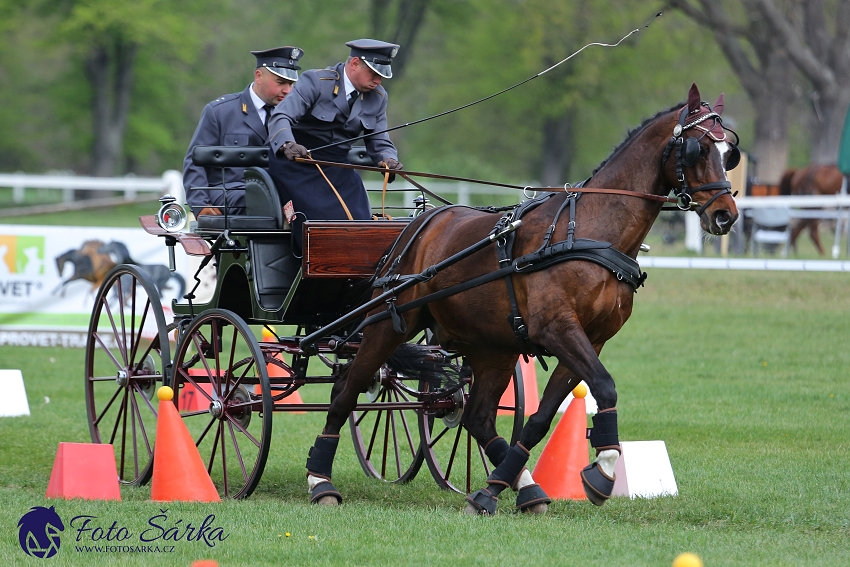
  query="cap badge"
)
[
  {"x": 394, "y": 52},
  {"x": 296, "y": 53}
]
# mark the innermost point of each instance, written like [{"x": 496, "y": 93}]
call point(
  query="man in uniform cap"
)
[
  {"x": 327, "y": 106},
  {"x": 238, "y": 119}
]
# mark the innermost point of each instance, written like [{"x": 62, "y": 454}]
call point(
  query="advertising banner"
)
[{"x": 50, "y": 275}]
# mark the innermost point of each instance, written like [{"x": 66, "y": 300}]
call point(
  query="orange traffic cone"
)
[
  {"x": 178, "y": 471},
  {"x": 558, "y": 470},
  {"x": 529, "y": 387}
]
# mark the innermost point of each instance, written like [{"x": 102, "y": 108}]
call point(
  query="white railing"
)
[
  {"x": 170, "y": 182},
  {"x": 835, "y": 207}
]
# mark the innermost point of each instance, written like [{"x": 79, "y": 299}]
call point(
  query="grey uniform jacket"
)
[
  {"x": 231, "y": 120},
  {"x": 316, "y": 113}
]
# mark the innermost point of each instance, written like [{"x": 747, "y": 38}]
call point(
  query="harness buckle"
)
[{"x": 683, "y": 201}]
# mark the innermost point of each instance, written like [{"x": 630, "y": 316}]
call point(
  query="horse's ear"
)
[
  {"x": 694, "y": 100},
  {"x": 718, "y": 104}
]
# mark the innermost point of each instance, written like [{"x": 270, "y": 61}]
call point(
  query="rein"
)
[{"x": 407, "y": 174}]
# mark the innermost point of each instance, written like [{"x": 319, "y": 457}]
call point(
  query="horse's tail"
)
[
  {"x": 785, "y": 182},
  {"x": 420, "y": 362}
]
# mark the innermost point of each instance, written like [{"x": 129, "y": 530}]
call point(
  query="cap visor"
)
[
  {"x": 284, "y": 72},
  {"x": 386, "y": 71}
]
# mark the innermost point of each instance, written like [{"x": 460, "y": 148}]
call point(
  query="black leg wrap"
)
[
  {"x": 510, "y": 468},
  {"x": 320, "y": 460},
  {"x": 325, "y": 489},
  {"x": 484, "y": 501},
  {"x": 531, "y": 495},
  {"x": 597, "y": 485},
  {"x": 496, "y": 450},
  {"x": 604, "y": 431}
]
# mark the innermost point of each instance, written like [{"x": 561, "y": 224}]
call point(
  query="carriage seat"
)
[{"x": 262, "y": 202}]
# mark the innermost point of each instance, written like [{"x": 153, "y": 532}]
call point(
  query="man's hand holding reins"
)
[
  {"x": 293, "y": 150},
  {"x": 393, "y": 164}
]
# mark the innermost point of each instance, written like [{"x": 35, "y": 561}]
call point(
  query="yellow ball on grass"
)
[{"x": 687, "y": 559}]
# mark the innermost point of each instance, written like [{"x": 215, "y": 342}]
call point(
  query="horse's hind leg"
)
[
  {"x": 378, "y": 344},
  {"x": 492, "y": 375}
]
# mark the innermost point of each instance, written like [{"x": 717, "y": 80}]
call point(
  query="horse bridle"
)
[{"x": 687, "y": 154}]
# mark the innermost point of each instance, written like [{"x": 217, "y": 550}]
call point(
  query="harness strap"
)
[{"x": 602, "y": 253}]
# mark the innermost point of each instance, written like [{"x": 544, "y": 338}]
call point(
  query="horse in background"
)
[
  {"x": 159, "y": 273},
  {"x": 810, "y": 180},
  {"x": 89, "y": 264}
]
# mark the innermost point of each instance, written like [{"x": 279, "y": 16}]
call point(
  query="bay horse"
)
[
  {"x": 810, "y": 180},
  {"x": 567, "y": 311},
  {"x": 89, "y": 264}
]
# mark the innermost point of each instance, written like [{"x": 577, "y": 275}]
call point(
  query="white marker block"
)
[
  {"x": 644, "y": 471},
  {"x": 14, "y": 399}
]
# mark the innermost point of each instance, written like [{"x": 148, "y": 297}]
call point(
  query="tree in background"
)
[
  {"x": 407, "y": 17},
  {"x": 762, "y": 42},
  {"x": 816, "y": 36},
  {"x": 108, "y": 37}
]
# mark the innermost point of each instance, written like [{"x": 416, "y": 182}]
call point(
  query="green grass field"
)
[{"x": 742, "y": 374}]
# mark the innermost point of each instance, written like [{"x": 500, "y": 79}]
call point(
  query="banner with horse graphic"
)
[{"x": 49, "y": 276}]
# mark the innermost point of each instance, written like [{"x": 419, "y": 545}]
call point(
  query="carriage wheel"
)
[
  {"x": 216, "y": 369},
  {"x": 456, "y": 460},
  {"x": 386, "y": 440},
  {"x": 126, "y": 351}
]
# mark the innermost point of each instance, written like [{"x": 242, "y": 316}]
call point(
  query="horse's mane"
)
[{"x": 632, "y": 134}]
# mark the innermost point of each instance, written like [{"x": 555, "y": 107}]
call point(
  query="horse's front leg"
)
[
  {"x": 372, "y": 354},
  {"x": 575, "y": 351}
]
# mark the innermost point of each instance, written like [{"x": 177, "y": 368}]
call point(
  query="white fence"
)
[
  {"x": 171, "y": 182},
  {"x": 835, "y": 207}
]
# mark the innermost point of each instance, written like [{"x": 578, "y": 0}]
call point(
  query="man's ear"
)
[{"x": 258, "y": 74}]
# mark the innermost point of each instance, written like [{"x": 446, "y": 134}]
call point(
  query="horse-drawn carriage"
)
[
  {"x": 457, "y": 295},
  {"x": 228, "y": 384}
]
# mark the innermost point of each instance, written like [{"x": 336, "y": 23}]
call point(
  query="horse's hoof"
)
[
  {"x": 325, "y": 493},
  {"x": 532, "y": 499},
  {"x": 536, "y": 509},
  {"x": 482, "y": 502},
  {"x": 597, "y": 485},
  {"x": 471, "y": 510}
]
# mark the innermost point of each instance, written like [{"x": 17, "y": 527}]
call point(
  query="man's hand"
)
[
  {"x": 209, "y": 211},
  {"x": 292, "y": 150},
  {"x": 391, "y": 163}
]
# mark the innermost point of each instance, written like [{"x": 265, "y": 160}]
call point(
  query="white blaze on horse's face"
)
[{"x": 723, "y": 148}]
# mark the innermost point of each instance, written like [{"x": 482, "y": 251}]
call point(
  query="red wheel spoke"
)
[
  {"x": 118, "y": 365},
  {"x": 214, "y": 445},
  {"x": 108, "y": 405},
  {"x": 223, "y": 458},
  {"x": 121, "y": 409},
  {"x": 237, "y": 452}
]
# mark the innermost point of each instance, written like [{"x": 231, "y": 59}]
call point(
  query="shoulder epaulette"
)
[{"x": 225, "y": 98}]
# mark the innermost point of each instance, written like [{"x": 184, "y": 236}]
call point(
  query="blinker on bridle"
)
[{"x": 687, "y": 154}]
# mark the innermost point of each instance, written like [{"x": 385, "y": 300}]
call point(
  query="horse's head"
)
[{"x": 696, "y": 159}]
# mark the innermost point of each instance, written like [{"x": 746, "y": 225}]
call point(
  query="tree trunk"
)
[
  {"x": 109, "y": 70},
  {"x": 827, "y": 125},
  {"x": 410, "y": 14},
  {"x": 771, "y": 97},
  {"x": 557, "y": 151}
]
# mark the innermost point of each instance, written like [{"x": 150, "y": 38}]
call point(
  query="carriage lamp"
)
[{"x": 171, "y": 216}]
